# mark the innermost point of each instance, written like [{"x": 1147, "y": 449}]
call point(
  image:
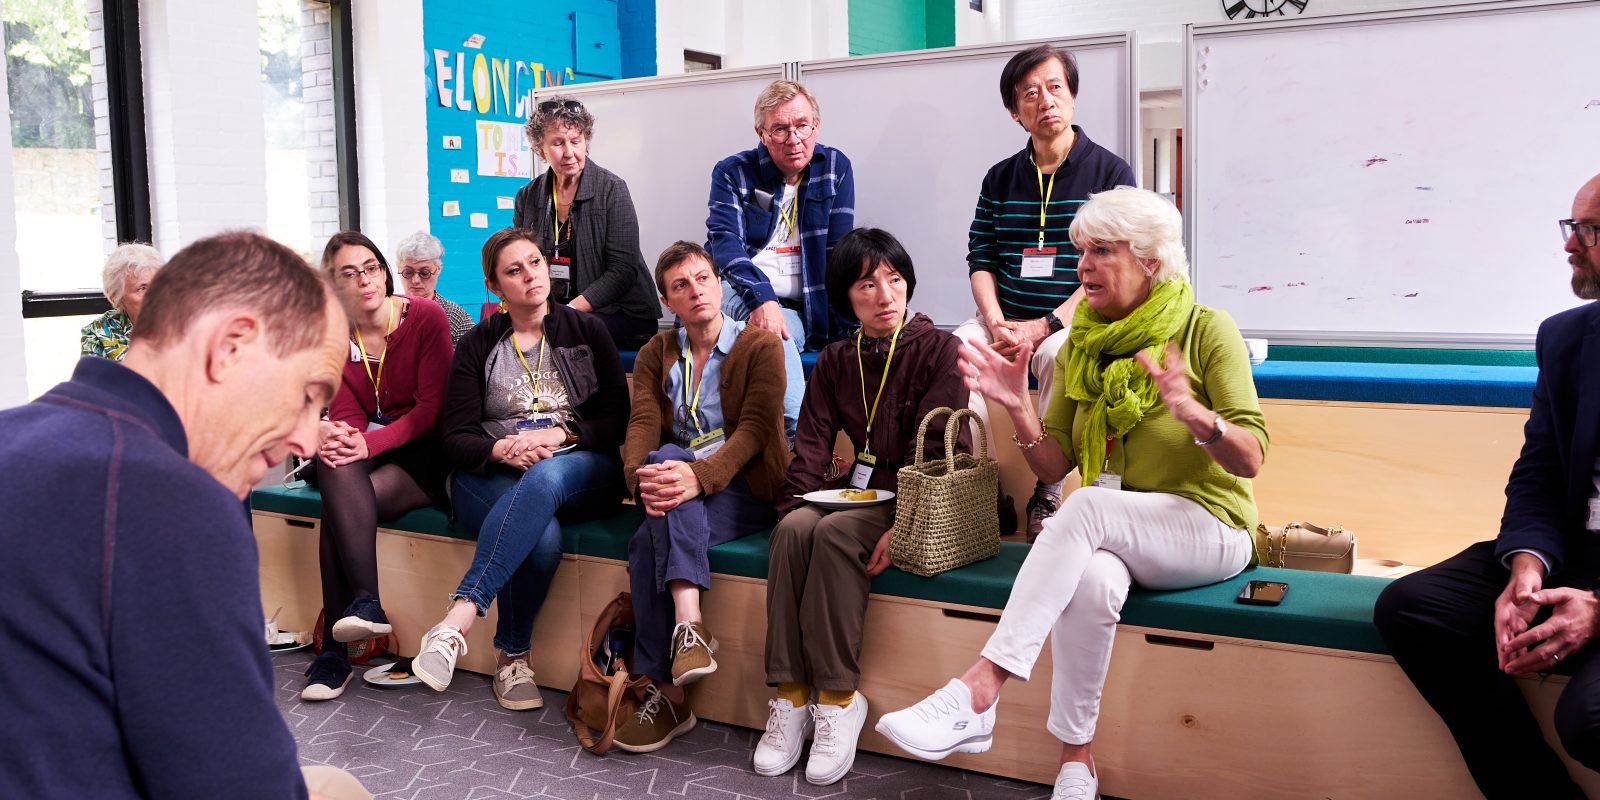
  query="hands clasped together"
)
[
  {"x": 664, "y": 486},
  {"x": 523, "y": 449},
  {"x": 341, "y": 444},
  {"x": 1523, "y": 649}
]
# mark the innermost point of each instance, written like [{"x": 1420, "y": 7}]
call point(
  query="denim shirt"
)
[{"x": 710, "y": 405}]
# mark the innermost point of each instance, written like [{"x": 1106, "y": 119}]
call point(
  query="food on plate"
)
[{"x": 858, "y": 494}]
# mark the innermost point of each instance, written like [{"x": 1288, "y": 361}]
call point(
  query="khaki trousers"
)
[{"x": 817, "y": 588}]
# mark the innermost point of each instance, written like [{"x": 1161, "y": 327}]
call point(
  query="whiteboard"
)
[
  {"x": 663, "y": 135},
  {"x": 922, "y": 128},
  {"x": 1391, "y": 178}
]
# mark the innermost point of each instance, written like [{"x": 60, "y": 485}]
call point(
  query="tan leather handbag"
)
[
  {"x": 606, "y": 693},
  {"x": 1301, "y": 545}
]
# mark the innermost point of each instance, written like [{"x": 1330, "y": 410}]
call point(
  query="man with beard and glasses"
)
[{"x": 1524, "y": 602}]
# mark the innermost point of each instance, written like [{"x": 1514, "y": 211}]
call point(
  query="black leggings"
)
[{"x": 354, "y": 498}]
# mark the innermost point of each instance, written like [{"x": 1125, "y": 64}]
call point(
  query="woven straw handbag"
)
[{"x": 945, "y": 514}]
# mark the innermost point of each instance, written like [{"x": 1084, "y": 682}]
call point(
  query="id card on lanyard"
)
[
  {"x": 866, "y": 462},
  {"x": 704, "y": 443},
  {"x": 377, "y": 419},
  {"x": 1040, "y": 262},
  {"x": 1108, "y": 479}
]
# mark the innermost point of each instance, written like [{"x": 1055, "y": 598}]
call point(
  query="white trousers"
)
[
  {"x": 1074, "y": 581},
  {"x": 1042, "y": 364}
]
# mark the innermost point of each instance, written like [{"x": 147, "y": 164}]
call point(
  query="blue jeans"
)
[
  {"x": 795, "y": 375},
  {"x": 673, "y": 548},
  {"x": 519, "y": 539}
]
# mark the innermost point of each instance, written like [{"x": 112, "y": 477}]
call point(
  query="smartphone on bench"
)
[{"x": 1263, "y": 593}]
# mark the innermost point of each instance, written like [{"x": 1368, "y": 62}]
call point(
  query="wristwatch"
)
[
  {"x": 1222, "y": 430},
  {"x": 1055, "y": 322}
]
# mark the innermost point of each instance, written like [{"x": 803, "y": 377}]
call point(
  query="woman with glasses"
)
[
  {"x": 421, "y": 259},
  {"x": 585, "y": 224},
  {"x": 537, "y": 408},
  {"x": 380, "y": 453},
  {"x": 705, "y": 456}
]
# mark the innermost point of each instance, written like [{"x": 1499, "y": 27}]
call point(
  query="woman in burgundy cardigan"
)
[{"x": 380, "y": 454}]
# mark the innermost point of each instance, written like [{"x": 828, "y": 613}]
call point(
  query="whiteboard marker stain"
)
[
  {"x": 1375, "y": 160},
  {"x": 1254, "y": 289},
  {"x": 1422, "y": 221}
]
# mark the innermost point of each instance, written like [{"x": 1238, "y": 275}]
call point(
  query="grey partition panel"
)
[
  {"x": 1391, "y": 178},
  {"x": 922, "y": 128}
]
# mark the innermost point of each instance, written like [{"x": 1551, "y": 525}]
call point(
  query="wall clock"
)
[{"x": 1250, "y": 9}]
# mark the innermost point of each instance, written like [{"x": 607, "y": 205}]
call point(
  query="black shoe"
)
[
  {"x": 363, "y": 619},
  {"x": 327, "y": 676}
]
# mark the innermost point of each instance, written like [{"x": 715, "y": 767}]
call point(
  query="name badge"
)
[
  {"x": 561, "y": 268},
  {"x": 1108, "y": 480},
  {"x": 1038, "y": 262},
  {"x": 705, "y": 445},
  {"x": 788, "y": 260},
  {"x": 374, "y": 425},
  {"x": 862, "y": 474},
  {"x": 1594, "y": 513}
]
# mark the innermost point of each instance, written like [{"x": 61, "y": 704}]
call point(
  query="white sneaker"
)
[
  {"x": 780, "y": 747},
  {"x": 1076, "y": 782},
  {"x": 833, "y": 745},
  {"x": 435, "y": 663},
  {"x": 941, "y": 724}
]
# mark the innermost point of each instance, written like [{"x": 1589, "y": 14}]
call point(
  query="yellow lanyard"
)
[
  {"x": 872, "y": 412},
  {"x": 793, "y": 212},
  {"x": 532, "y": 373},
  {"x": 1044, "y": 197},
  {"x": 362, "y": 346},
  {"x": 688, "y": 378},
  {"x": 555, "y": 208}
]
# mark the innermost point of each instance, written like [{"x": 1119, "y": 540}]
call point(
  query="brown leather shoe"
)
[
  {"x": 655, "y": 724},
  {"x": 692, "y": 646}
]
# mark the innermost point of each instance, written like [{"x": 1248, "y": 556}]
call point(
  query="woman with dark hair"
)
[
  {"x": 874, "y": 387},
  {"x": 536, "y": 409},
  {"x": 380, "y": 445},
  {"x": 586, "y": 226}
]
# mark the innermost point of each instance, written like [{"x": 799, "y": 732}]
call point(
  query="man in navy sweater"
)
[
  {"x": 130, "y": 610},
  {"x": 1524, "y": 603}
]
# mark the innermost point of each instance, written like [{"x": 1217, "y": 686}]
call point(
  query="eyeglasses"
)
[
  {"x": 1588, "y": 232},
  {"x": 425, "y": 274},
  {"x": 570, "y": 106},
  {"x": 371, "y": 269},
  {"x": 782, "y": 133}
]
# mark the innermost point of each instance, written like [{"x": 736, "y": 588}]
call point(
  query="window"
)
[
  {"x": 696, "y": 61},
  {"x": 295, "y": 71}
]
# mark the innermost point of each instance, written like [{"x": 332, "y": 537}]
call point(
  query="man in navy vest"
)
[
  {"x": 130, "y": 602},
  {"x": 1524, "y": 602}
]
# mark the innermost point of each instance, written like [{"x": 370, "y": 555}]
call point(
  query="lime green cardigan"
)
[{"x": 1159, "y": 454}]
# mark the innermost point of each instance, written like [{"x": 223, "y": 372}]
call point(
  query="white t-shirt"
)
[{"x": 779, "y": 260}]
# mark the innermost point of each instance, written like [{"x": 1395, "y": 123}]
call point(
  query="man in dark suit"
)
[{"x": 1524, "y": 602}]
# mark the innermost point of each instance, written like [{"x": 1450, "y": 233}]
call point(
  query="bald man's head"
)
[{"x": 1583, "y": 244}]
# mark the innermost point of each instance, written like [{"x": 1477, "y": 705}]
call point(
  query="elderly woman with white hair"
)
[
  {"x": 1155, "y": 406},
  {"x": 125, "y": 277},
  {"x": 421, "y": 259}
]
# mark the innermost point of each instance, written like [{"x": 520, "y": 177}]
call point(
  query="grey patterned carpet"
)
[{"x": 415, "y": 744}]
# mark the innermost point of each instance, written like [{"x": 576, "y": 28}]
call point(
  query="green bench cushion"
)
[{"x": 1321, "y": 609}]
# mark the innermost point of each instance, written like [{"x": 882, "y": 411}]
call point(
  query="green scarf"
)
[{"x": 1121, "y": 392}]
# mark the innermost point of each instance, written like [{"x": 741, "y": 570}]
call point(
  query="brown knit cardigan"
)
[{"x": 751, "y": 380}]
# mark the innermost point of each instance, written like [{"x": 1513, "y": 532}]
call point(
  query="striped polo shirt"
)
[{"x": 1007, "y": 220}]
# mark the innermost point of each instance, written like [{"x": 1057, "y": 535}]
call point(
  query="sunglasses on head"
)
[{"x": 570, "y": 106}]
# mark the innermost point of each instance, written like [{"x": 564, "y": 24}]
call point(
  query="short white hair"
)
[
  {"x": 1148, "y": 222},
  {"x": 420, "y": 246},
  {"x": 131, "y": 258}
]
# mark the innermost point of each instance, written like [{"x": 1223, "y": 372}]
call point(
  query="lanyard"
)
[
  {"x": 532, "y": 373},
  {"x": 872, "y": 412},
  {"x": 790, "y": 215},
  {"x": 688, "y": 378},
  {"x": 555, "y": 210},
  {"x": 362, "y": 346},
  {"x": 1044, "y": 197}
]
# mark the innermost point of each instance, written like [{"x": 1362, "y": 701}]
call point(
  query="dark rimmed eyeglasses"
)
[
  {"x": 1588, "y": 232},
  {"x": 570, "y": 106},
  {"x": 425, "y": 274}
]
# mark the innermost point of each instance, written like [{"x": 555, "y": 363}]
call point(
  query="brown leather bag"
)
[{"x": 600, "y": 701}]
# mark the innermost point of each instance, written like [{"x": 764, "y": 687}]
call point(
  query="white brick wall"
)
[
  {"x": 13, "y": 367},
  {"x": 316, "y": 93},
  {"x": 203, "y": 101},
  {"x": 391, "y": 131},
  {"x": 102, "y": 123}
]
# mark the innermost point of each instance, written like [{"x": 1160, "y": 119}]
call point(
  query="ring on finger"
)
[{"x": 1555, "y": 657}]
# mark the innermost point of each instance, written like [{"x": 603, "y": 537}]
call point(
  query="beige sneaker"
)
[
  {"x": 435, "y": 663},
  {"x": 692, "y": 645},
  {"x": 514, "y": 687},
  {"x": 655, "y": 724}
]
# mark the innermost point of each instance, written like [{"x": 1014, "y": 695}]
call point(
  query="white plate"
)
[
  {"x": 829, "y": 498},
  {"x": 569, "y": 448},
  {"x": 289, "y": 641},
  {"x": 379, "y": 675}
]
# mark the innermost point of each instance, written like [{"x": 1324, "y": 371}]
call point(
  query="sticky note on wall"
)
[
  {"x": 478, "y": 220},
  {"x": 451, "y": 208},
  {"x": 452, "y": 142},
  {"x": 505, "y": 202},
  {"x": 460, "y": 176}
]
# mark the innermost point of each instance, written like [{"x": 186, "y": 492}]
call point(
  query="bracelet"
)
[{"x": 1026, "y": 446}]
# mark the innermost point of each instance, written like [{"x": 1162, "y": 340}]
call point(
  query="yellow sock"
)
[
  {"x": 828, "y": 697},
  {"x": 798, "y": 694}
]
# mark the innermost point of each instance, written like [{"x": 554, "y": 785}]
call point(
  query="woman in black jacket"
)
[{"x": 536, "y": 409}]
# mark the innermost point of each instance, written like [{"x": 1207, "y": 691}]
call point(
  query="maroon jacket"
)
[
  {"x": 924, "y": 376},
  {"x": 414, "y": 374}
]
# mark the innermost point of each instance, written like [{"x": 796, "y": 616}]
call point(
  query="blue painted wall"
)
[{"x": 480, "y": 61}]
